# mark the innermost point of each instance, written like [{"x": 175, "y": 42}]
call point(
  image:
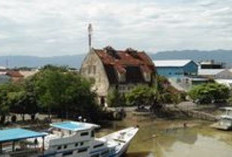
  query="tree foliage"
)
[
  {"x": 115, "y": 98},
  {"x": 167, "y": 93},
  {"x": 65, "y": 93},
  {"x": 52, "y": 90},
  {"x": 210, "y": 92},
  {"x": 141, "y": 95},
  {"x": 229, "y": 100}
]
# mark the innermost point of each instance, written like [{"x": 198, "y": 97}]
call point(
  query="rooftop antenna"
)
[{"x": 90, "y": 32}]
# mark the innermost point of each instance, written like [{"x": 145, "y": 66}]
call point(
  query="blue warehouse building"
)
[{"x": 176, "y": 68}]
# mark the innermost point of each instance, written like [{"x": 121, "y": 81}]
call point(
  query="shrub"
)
[{"x": 210, "y": 92}]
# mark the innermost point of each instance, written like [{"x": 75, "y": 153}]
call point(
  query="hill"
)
[
  {"x": 73, "y": 61},
  {"x": 76, "y": 60},
  {"x": 196, "y": 55}
]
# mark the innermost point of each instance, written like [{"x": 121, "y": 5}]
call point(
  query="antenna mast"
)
[{"x": 90, "y": 32}]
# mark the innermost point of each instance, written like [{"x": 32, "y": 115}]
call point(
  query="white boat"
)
[
  {"x": 225, "y": 120},
  {"x": 77, "y": 139},
  {"x": 65, "y": 139}
]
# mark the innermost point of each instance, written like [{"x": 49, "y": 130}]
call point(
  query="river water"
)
[{"x": 169, "y": 138}]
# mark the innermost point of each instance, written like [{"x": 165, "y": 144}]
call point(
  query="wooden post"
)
[
  {"x": 13, "y": 146},
  {"x": 0, "y": 148},
  {"x": 43, "y": 146}
]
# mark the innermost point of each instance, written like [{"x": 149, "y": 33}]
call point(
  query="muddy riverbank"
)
[{"x": 171, "y": 138}]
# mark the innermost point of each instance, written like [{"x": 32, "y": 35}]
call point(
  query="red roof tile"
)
[{"x": 14, "y": 74}]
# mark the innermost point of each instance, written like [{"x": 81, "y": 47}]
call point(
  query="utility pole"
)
[{"x": 90, "y": 31}]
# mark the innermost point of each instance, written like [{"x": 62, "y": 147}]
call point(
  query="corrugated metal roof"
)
[
  {"x": 2, "y": 68},
  {"x": 74, "y": 126},
  {"x": 171, "y": 63},
  {"x": 209, "y": 72},
  {"x": 18, "y": 134}
]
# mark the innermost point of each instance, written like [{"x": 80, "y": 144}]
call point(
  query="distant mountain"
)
[
  {"x": 73, "y": 61},
  {"x": 196, "y": 55},
  {"x": 76, "y": 60}
]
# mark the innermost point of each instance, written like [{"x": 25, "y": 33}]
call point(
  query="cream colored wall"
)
[{"x": 101, "y": 84}]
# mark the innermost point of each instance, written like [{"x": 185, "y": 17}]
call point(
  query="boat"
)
[
  {"x": 225, "y": 120},
  {"x": 77, "y": 139}
]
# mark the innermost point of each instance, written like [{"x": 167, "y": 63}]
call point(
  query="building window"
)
[
  {"x": 76, "y": 144},
  {"x": 94, "y": 69},
  {"x": 65, "y": 146},
  {"x": 67, "y": 153},
  {"x": 59, "y": 148},
  {"x": 82, "y": 150},
  {"x": 99, "y": 145},
  {"x": 92, "y": 133},
  {"x": 82, "y": 143},
  {"x": 105, "y": 153},
  {"x": 84, "y": 133},
  {"x": 89, "y": 69}
]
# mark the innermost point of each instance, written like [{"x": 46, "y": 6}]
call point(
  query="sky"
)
[{"x": 59, "y": 27}]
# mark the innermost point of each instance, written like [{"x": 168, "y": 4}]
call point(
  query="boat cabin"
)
[
  {"x": 13, "y": 142},
  {"x": 74, "y": 138},
  {"x": 226, "y": 118}
]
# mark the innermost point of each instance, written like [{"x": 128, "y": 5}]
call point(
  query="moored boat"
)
[
  {"x": 225, "y": 120},
  {"x": 77, "y": 139}
]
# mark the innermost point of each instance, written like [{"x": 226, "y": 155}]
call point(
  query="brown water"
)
[{"x": 169, "y": 138}]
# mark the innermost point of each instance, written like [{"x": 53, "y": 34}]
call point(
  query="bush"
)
[
  {"x": 115, "y": 99},
  {"x": 208, "y": 93},
  {"x": 141, "y": 95}
]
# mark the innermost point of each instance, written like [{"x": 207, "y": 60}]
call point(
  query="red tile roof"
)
[
  {"x": 128, "y": 61},
  {"x": 14, "y": 74}
]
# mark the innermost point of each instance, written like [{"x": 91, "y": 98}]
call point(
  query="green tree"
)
[
  {"x": 5, "y": 103},
  {"x": 24, "y": 101},
  {"x": 115, "y": 99},
  {"x": 229, "y": 100},
  {"x": 65, "y": 93},
  {"x": 209, "y": 92},
  {"x": 4, "y": 107},
  {"x": 53, "y": 89},
  {"x": 55, "y": 68},
  {"x": 141, "y": 95}
]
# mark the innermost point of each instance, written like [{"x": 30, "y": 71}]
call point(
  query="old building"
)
[{"x": 120, "y": 69}]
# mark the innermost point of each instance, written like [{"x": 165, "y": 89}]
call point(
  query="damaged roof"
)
[{"x": 130, "y": 62}]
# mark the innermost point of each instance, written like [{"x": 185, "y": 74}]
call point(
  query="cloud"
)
[{"x": 59, "y": 27}]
